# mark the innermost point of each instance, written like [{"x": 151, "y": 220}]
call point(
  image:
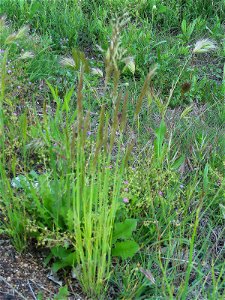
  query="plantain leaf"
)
[
  {"x": 125, "y": 249},
  {"x": 123, "y": 230}
]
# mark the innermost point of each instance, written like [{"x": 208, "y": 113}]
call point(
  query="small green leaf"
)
[
  {"x": 65, "y": 258},
  {"x": 34, "y": 8},
  {"x": 76, "y": 58},
  {"x": 67, "y": 99},
  {"x": 184, "y": 26},
  {"x": 163, "y": 9},
  {"x": 79, "y": 58},
  {"x": 160, "y": 132},
  {"x": 158, "y": 143},
  {"x": 40, "y": 296},
  {"x": 54, "y": 92},
  {"x": 123, "y": 230},
  {"x": 206, "y": 178},
  {"x": 125, "y": 249},
  {"x": 48, "y": 258},
  {"x": 59, "y": 251},
  {"x": 178, "y": 162},
  {"x": 58, "y": 265},
  {"x": 62, "y": 294}
]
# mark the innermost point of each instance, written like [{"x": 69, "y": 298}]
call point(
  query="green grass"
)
[
  {"x": 162, "y": 35},
  {"x": 114, "y": 160}
]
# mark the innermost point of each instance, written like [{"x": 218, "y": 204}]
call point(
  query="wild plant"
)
[{"x": 75, "y": 202}]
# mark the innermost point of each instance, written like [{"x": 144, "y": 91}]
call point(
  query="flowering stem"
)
[
  {"x": 175, "y": 84},
  {"x": 2, "y": 96}
]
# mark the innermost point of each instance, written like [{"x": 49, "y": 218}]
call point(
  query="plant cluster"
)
[{"x": 96, "y": 164}]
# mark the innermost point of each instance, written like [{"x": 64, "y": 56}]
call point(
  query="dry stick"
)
[
  {"x": 11, "y": 286},
  {"x": 41, "y": 286},
  {"x": 32, "y": 292},
  {"x": 178, "y": 259},
  {"x": 174, "y": 86},
  {"x": 7, "y": 294}
]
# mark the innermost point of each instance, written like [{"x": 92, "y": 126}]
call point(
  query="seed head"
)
[
  {"x": 21, "y": 33},
  {"x": 68, "y": 62},
  {"x": 26, "y": 55},
  {"x": 204, "y": 46},
  {"x": 2, "y": 23},
  {"x": 97, "y": 71}
]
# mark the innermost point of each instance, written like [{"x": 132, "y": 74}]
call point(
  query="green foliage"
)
[
  {"x": 62, "y": 294},
  {"x": 187, "y": 30},
  {"x": 149, "y": 31},
  {"x": 125, "y": 249},
  {"x": 121, "y": 178},
  {"x": 123, "y": 231}
]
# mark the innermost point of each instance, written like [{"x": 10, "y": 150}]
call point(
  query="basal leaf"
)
[
  {"x": 125, "y": 249},
  {"x": 123, "y": 230}
]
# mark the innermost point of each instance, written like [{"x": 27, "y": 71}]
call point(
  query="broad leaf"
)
[
  {"x": 125, "y": 249},
  {"x": 62, "y": 294},
  {"x": 123, "y": 230}
]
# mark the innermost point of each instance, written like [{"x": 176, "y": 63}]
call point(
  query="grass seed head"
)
[
  {"x": 68, "y": 62},
  {"x": 20, "y": 34},
  {"x": 2, "y": 23},
  {"x": 204, "y": 46},
  {"x": 27, "y": 55}
]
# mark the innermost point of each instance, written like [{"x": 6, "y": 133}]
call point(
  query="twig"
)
[
  {"x": 8, "y": 294},
  {"x": 189, "y": 164},
  {"x": 32, "y": 292},
  {"x": 178, "y": 259},
  {"x": 9, "y": 285},
  {"x": 41, "y": 286}
]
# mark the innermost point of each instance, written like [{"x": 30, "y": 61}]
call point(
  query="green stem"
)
[{"x": 190, "y": 260}]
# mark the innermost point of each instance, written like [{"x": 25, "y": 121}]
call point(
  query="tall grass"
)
[
  {"x": 48, "y": 17},
  {"x": 79, "y": 194}
]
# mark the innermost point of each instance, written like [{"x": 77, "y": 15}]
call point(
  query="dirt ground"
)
[{"x": 23, "y": 276}]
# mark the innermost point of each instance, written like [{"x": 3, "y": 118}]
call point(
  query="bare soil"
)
[{"x": 23, "y": 276}]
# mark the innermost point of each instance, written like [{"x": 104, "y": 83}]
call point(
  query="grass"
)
[{"x": 113, "y": 160}]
